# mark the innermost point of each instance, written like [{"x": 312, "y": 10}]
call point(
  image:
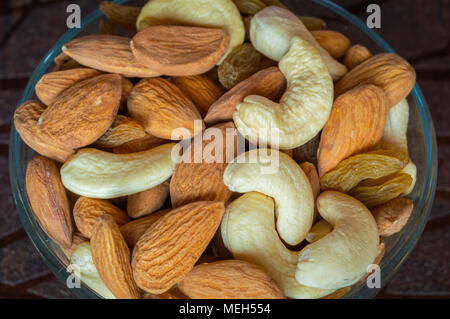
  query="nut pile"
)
[{"x": 141, "y": 219}]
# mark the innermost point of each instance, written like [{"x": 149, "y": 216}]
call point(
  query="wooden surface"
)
[{"x": 417, "y": 29}]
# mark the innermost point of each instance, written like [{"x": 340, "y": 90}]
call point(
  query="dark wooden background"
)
[{"x": 418, "y": 29}]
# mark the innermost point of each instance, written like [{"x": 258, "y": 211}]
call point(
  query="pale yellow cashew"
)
[
  {"x": 303, "y": 109},
  {"x": 340, "y": 258},
  {"x": 98, "y": 174},
  {"x": 248, "y": 231},
  {"x": 318, "y": 231},
  {"x": 272, "y": 29},
  {"x": 287, "y": 185}
]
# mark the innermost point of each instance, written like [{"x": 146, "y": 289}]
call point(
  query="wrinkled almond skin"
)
[
  {"x": 48, "y": 200},
  {"x": 83, "y": 112},
  {"x": 392, "y": 216},
  {"x": 108, "y": 53},
  {"x": 160, "y": 107},
  {"x": 229, "y": 279},
  {"x": 190, "y": 51},
  {"x": 52, "y": 84},
  {"x": 133, "y": 230},
  {"x": 356, "y": 55},
  {"x": 203, "y": 180},
  {"x": 147, "y": 202},
  {"x": 139, "y": 145},
  {"x": 356, "y": 123},
  {"x": 200, "y": 89},
  {"x": 123, "y": 16},
  {"x": 334, "y": 42},
  {"x": 389, "y": 71},
  {"x": 124, "y": 129},
  {"x": 111, "y": 257},
  {"x": 178, "y": 239},
  {"x": 26, "y": 122},
  {"x": 86, "y": 211},
  {"x": 269, "y": 83}
]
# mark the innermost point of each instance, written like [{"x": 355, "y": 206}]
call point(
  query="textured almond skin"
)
[
  {"x": 124, "y": 129},
  {"x": 123, "y": 16},
  {"x": 203, "y": 181},
  {"x": 229, "y": 279},
  {"x": 48, "y": 200},
  {"x": 111, "y": 257},
  {"x": 26, "y": 122},
  {"x": 269, "y": 83},
  {"x": 334, "y": 42},
  {"x": 200, "y": 89},
  {"x": 356, "y": 123},
  {"x": 72, "y": 121},
  {"x": 177, "y": 240},
  {"x": 86, "y": 211},
  {"x": 133, "y": 230},
  {"x": 392, "y": 216},
  {"x": 387, "y": 70},
  {"x": 52, "y": 84},
  {"x": 190, "y": 51},
  {"x": 139, "y": 145},
  {"x": 160, "y": 107},
  {"x": 109, "y": 53},
  {"x": 147, "y": 202},
  {"x": 356, "y": 55}
]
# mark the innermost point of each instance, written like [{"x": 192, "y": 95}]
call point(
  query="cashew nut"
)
[
  {"x": 287, "y": 185},
  {"x": 303, "y": 109},
  {"x": 97, "y": 174},
  {"x": 248, "y": 231},
  {"x": 340, "y": 258},
  {"x": 318, "y": 231},
  {"x": 272, "y": 29}
]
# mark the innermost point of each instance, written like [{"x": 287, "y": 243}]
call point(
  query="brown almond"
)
[
  {"x": 139, "y": 145},
  {"x": 108, "y": 53},
  {"x": 123, "y": 16},
  {"x": 190, "y": 51},
  {"x": 52, "y": 84},
  {"x": 126, "y": 90},
  {"x": 86, "y": 211},
  {"x": 334, "y": 42},
  {"x": 124, "y": 129},
  {"x": 147, "y": 202},
  {"x": 65, "y": 62},
  {"x": 356, "y": 55},
  {"x": 177, "y": 239},
  {"x": 106, "y": 27},
  {"x": 200, "y": 89},
  {"x": 111, "y": 257},
  {"x": 389, "y": 71},
  {"x": 160, "y": 107},
  {"x": 229, "y": 279},
  {"x": 269, "y": 83},
  {"x": 356, "y": 123},
  {"x": 133, "y": 230},
  {"x": 392, "y": 216},
  {"x": 48, "y": 200},
  {"x": 313, "y": 177}
]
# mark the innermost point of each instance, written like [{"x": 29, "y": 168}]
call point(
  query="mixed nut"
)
[{"x": 218, "y": 227}]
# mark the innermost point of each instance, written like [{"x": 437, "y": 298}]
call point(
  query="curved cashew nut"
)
[
  {"x": 97, "y": 174},
  {"x": 340, "y": 258},
  {"x": 248, "y": 231},
  {"x": 287, "y": 185},
  {"x": 318, "y": 231},
  {"x": 272, "y": 29},
  {"x": 303, "y": 109}
]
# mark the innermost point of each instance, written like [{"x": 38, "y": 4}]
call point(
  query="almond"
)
[
  {"x": 126, "y": 90},
  {"x": 124, "y": 129},
  {"x": 190, "y": 51},
  {"x": 133, "y": 230},
  {"x": 201, "y": 179},
  {"x": 109, "y": 53},
  {"x": 313, "y": 177},
  {"x": 356, "y": 123},
  {"x": 387, "y": 70},
  {"x": 52, "y": 84},
  {"x": 106, "y": 27},
  {"x": 147, "y": 202},
  {"x": 86, "y": 211},
  {"x": 356, "y": 55},
  {"x": 72, "y": 121},
  {"x": 392, "y": 216},
  {"x": 123, "y": 16},
  {"x": 334, "y": 42},
  {"x": 160, "y": 107},
  {"x": 65, "y": 62},
  {"x": 169, "y": 249},
  {"x": 139, "y": 145},
  {"x": 229, "y": 279},
  {"x": 269, "y": 83},
  {"x": 26, "y": 121},
  {"x": 200, "y": 89},
  {"x": 111, "y": 257},
  {"x": 48, "y": 200}
]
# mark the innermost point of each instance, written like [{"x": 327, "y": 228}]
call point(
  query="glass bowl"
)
[{"x": 421, "y": 136}]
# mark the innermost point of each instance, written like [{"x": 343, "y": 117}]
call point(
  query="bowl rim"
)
[{"x": 398, "y": 253}]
